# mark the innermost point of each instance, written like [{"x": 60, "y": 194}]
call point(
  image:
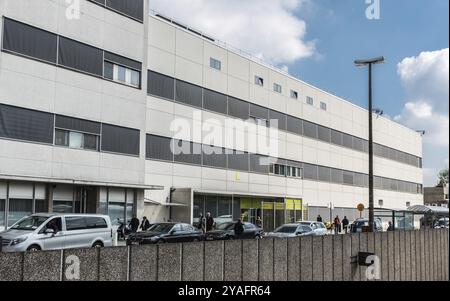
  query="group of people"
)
[
  {"x": 135, "y": 224},
  {"x": 338, "y": 225}
]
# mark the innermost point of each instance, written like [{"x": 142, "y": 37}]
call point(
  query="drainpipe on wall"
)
[{"x": 172, "y": 190}]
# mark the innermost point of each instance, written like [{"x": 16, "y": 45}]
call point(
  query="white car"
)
[
  {"x": 317, "y": 227},
  {"x": 291, "y": 230}
]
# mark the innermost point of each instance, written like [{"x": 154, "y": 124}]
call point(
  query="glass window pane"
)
[
  {"x": 90, "y": 142},
  {"x": 294, "y": 125},
  {"x": 336, "y": 137},
  {"x": 159, "y": 148},
  {"x": 214, "y": 101},
  {"x": 160, "y": 85},
  {"x": 214, "y": 156},
  {"x": 324, "y": 134},
  {"x": 238, "y": 108},
  {"x": 279, "y": 118},
  {"x": 61, "y": 138},
  {"x": 238, "y": 161},
  {"x": 108, "y": 70},
  {"x": 309, "y": 129},
  {"x": 135, "y": 78},
  {"x": 2, "y": 212},
  {"x": 121, "y": 73},
  {"x": 189, "y": 94},
  {"x": 324, "y": 174},
  {"x": 63, "y": 206},
  {"x": 347, "y": 140},
  {"x": 18, "y": 208},
  {"x": 198, "y": 208},
  {"x": 336, "y": 176},
  {"x": 41, "y": 206},
  {"x": 310, "y": 171},
  {"x": 348, "y": 177},
  {"x": 75, "y": 140},
  {"x": 211, "y": 205},
  {"x": 224, "y": 209}
]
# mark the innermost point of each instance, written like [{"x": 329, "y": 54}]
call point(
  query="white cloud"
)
[
  {"x": 267, "y": 29},
  {"x": 425, "y": 79}
]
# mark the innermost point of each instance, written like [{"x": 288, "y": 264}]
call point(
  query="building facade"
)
[
  {"x": 96, "y": 103},
  {"x": 436, "y": 196}
]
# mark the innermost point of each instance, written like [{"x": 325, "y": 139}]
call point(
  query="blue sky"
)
[
  {"x": 318, "y": 41},
  {"x": 343, "y": 33}
]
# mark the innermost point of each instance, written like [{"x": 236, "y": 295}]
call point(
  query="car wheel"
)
[
  {"x": 97, "y": 244},
  {"x": 33, "y": 248}
]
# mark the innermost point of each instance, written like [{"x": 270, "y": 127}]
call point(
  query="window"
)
[
  {"x": 294, "y": 125},
  {"x": 79, "y": 56},
  {"x": 310, "y": 171},
  {"x": 159, "y": 148},
  {"x": 96, "y": 223},
  {"x": 309, "y": 129},
  {"x": 29, "y": 41},
  {"x": 214, "y": 101},
  {"x": 347, "y": 177},
  {"x": 279, "y": 169},
  {"x": 324, "y": 134},
  {"x": 24, "y": 124},
  {"x": 347, "y": 140},
  {"x": 309, "y": 100},
  {"x": 378, "y": 182},
  {"x": 214, "y": 156},
  {"x": 76, "y": 223},
  {"x": 359, "y": 179},
  {"x": 260, "y": 114},
  {"x": 380, "y": 203},
  {"x": 238, "y": 160},
  {"x": 122, "y": 74},
  {"x": 238, "y": 108},
  {"x": 279, "y": 118},
  {"x": 120, "y": 140},
  {"x": 323, "y": 106},
  {"x": 324, "y": 174},
  {"x": 76, "y": 140},
  {"x": 336, "y": 176},
  {"x": 277, "y": 88},
  {"x": 129, "y": 8},
  {"x": 188, "y": 94},
  {"x": 216, "y": 64},
  {"x": 259, "y": 164},
  {"x": 259, "y": 81},
  {"x": 187, "y": 152},
  {"x": 408, "y": 204},
  {"x": 336, "y": 137},
  {"x": 358, "y": 144},
  {"x": 161, "y": 85},
  {"x": 294, "y": 94}
]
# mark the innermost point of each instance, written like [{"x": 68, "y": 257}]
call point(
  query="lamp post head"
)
[{"x": 377, "y": 60}]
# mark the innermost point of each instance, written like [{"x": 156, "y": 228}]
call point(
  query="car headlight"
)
[{"x": 18, "y": 241}]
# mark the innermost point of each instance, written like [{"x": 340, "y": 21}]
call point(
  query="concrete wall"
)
[{"x": 404, "y": 256}]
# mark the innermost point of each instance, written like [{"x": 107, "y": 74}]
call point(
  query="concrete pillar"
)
[
  {"x": 306, "y": 258},
  {"x": 143, "y": 263},
  {"x": 250, "y": 260},
  {"x": 88, "y": 260},
  {"x": 293, "y": 260},
  {"x": 113, "y": 264},
  {"x": 192, "y": 261},
  {"x": 233, "y": 260},
  {"x": 42, "y": 266},
  {"x": 280, "y": 255},
  {"x": 214, "y": 258},
  {"x": 338, "y": 257},
  {"x": 169, "y": 262},
  {"x": 266, "y": 260}
]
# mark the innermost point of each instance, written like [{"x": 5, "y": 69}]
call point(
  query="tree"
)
[{"x": 443, "y": 177}]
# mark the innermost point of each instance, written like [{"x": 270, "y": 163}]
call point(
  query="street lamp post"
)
[{"x": 370, "y": 62}]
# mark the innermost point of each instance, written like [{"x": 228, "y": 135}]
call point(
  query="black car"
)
[
  {"x": 225, "y": 231},
  {"x": 166, "y": 233},
  {"x": 358, "y": 225}
]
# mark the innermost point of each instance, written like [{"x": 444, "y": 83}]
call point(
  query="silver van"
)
[{"x": 57, "y": 231}]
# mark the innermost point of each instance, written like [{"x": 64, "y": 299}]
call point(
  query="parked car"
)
[
  {"x": 318, "y": 228},
  {"x": 225, "y": 231},
  {"x": 166, "y": 233},
  {"x": 57, "y": 231},
  {"x": 291, "y": 230},
  {"x": 358, "y": 224}
]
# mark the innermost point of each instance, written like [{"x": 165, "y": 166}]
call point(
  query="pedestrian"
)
[
  {"x": 145, "y": 225},
  {"x": 390, "y": 227},
  {"x": 134, "y": 224},
  {"x": 209, "y": 222},
  {"x": 319, "y": 218},
  {"x": 238, "y": 229},
  {"x": 201, "y": 223},
  {"x": 345, "y": 223},
  {"x": 258, "y": 222},
  {"x": 337, "y": 225}
]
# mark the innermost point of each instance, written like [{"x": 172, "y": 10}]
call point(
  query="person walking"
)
[
  {"x": 209, "y": 222},
  {"x": 319, "y": 218},
  {"x": 134, "y": 224},
  {"x": 337, "y": 225},
  {"x": 145, "y": 225},
  {"x": 201, "y": 223},
  {"x": 238, "y": 229},
  {"x": 390, "y": 228},
  {"x": 345, "y": 223}
]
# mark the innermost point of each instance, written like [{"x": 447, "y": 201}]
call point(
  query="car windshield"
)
[
  {"x": 225, "y": 226},
  {"x": 286, "y": 229},
  {"x": 30, "y": 223},
  {"x": 162, "y": 228}
]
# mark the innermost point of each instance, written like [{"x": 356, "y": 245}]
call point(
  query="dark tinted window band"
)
[
  {"x": 120, "y": 140},
  {"x": 162, "y": 86},
  {"x": 29, "y": 41},
  {"x": 75, "y": 124},
  {"x": 24, "y": 124},
  {"x": 120, "y": 60},
  {"x": 129, "y": 8},
  {"x": 35, "y": 43},
  {"x": 159, "y": 148}
]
